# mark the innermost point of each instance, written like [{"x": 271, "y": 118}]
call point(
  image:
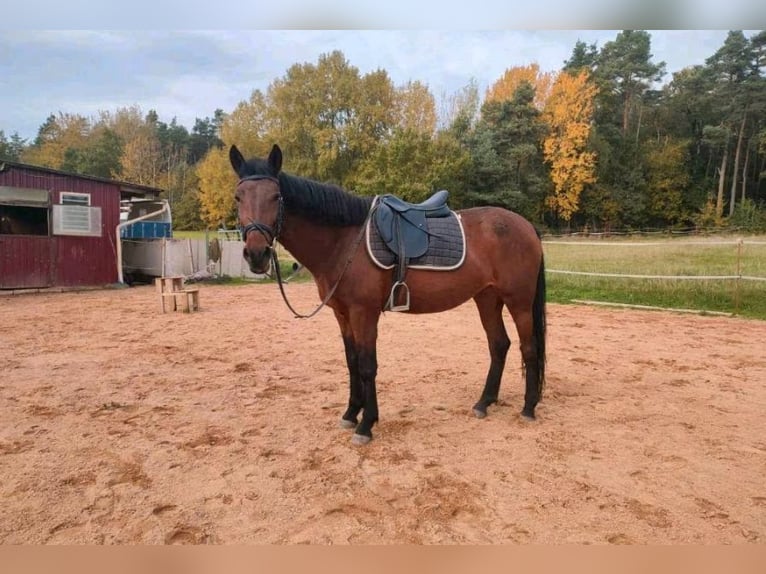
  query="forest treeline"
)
[{"x": 608, "y": 142}]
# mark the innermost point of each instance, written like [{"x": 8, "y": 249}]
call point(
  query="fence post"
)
[
  {"x": 163, "y": 250},
  {"x": 207, "y": 251},
  {"x": 738, "y": 280}
]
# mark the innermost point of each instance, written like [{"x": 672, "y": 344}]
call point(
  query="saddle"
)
[
  {"x": 402, "y": 225},
  {"x": 403, "y": 228}
]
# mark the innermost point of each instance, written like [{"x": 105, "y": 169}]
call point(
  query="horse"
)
[
  {"x": 13, "y": 224},
  {"x": 321, "y": 225}
]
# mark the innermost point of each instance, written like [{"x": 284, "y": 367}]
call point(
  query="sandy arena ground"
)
[{"x": 123, "y": 425}]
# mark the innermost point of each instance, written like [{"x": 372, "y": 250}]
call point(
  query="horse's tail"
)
[{"x": 538, "y": 325}]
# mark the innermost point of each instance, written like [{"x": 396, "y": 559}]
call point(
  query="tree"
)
[
  {"x": 248, "y": 126},
  {"x": 625, "y": 70},
  {"x": 415, "y": 108},
  {"x": 507, "y": 164},
  {"x": 731, "y": 68},
  {"x": 58, "y": 134},
  {"x": 717, "y": 138},
  {"x": 99, "y": 156},
  {"x": 329, "y": 116},
  {"x": 511, "y": 80},
  {"x": 378, "y": 107},
  {"x": 142, "y": 158},
  {"x": 568, "y": 115},
  {"x": 216, "y": 189},
  {"x": 688, "y": 104},
  {"x": 584, "y": 57},
  {"x": 174, "y": 141},
  {"x": 205, "y": 136},
  {"x": 183, "y": 192},
  {"x": 127, "y": 122},
  {"x": 668, "y": 179},
  {"x": 413, "y": 165},
  {"x": 461, "y": 111},
  {"x": 623, "y": 74},
  {"x": 11, "y": 148}
]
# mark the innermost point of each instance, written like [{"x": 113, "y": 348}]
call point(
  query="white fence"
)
[
  {"x": 737, "y": 276},
  {"x": 738, "y": 243},
  {"x": 184, "y": 257}
]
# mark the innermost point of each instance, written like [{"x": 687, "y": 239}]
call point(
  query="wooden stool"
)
[
  {"x": 188, "y": 300},
  {"x": 167, "y": 284},
  {"x": 173, "y": 294}
]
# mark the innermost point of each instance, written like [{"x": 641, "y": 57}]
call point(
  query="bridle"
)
[
  {"x": 272, "y": 234},
  {"x": 269, "y": 234}
]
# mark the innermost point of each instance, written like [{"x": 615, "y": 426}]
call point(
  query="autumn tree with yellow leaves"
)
[
  {"x": 603, "y": 143},
  {"x": 504, "y": 88},
  {"x": 333, "y": 120},
  {"x": 568, "y": 114},
  {"x": 59, "y": 133},
  {"x": 216, "y": 183},
  {"x": 415, "y": 108}
]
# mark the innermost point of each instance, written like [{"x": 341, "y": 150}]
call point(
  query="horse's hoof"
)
[
  {"x": 344, "y": 424},
  {"x": 479, "y": 414},
  {"x": 528, "y": 417},
  {"x": 360, "y": 439}
]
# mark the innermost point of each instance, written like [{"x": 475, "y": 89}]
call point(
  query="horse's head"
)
[{"x": 259, "y": 205}]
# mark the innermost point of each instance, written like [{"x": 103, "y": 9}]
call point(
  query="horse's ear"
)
[
  {"x": 236, "y": 158},
  {"x": 275, "y": 159}
]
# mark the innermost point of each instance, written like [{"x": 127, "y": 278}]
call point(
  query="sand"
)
[{"x": 123, "y": 425}]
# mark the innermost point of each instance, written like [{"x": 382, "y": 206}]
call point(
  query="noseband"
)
[{"x": 269, "y": 234}]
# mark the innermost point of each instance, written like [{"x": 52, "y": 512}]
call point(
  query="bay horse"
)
[{"x": 321, "y": 225}]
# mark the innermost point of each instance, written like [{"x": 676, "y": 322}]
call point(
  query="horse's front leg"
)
[
  {"x": 356, "y": 392},
  {"x": 364, "y": 326}
]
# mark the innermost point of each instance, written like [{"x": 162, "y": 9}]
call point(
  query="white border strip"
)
[
  {"x": 651, "y": 308},
  {"x": 632, "y": 276},
  {"x": 677, "y": 243}
]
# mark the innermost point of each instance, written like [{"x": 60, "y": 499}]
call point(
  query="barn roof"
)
[{"x": 127, "y": 189}]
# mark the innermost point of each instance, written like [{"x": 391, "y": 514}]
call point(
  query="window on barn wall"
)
[
  {"x": 74, "y": 216},
  {"x": 23, "y": 211},
  {"x": 69, "y": 198}
]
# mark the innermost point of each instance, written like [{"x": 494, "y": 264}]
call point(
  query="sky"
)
[{"x": 188, "y": 74}]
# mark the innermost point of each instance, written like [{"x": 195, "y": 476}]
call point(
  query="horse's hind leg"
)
[
  {"x": 491, "y": 312},
  {"x": 524, "y": 326}
]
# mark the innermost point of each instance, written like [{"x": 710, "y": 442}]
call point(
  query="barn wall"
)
[
  {"x": 74, "y": 261},
  {"x": 89, "y": 260},
  {"x": 26, "y": 261}
]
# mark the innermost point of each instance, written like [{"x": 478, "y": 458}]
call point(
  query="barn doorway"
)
[
  {"x": 23, "y": 220},
  {"x": 26, "y": 245}
]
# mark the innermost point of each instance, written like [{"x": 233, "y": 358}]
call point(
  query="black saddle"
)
[
  {"x": 402, "y": 225},
  {"x": 403, "y": 228}
]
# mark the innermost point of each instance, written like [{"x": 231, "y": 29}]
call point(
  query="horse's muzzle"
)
[{"x": 258, "y": 260}]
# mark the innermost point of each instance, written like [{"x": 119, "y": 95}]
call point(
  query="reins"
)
[{"x": 267, "y": 231}]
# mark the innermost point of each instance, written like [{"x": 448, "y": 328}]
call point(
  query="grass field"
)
[
  {"x": 695, "y": 256},
  {"x": 671, "y": 257},
  {"x": 194, "y": 234}
]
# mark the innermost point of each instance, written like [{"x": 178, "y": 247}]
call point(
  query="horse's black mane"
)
[{"x": 323, "y": 203}]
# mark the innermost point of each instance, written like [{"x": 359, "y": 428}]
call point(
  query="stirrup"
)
[{"x": 392, "y": 297}]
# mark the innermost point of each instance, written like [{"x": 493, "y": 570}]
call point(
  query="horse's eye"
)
[{"x": 236, "y": 198}]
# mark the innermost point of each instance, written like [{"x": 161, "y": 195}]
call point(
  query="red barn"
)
[{"x": 57, "y": 229}]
